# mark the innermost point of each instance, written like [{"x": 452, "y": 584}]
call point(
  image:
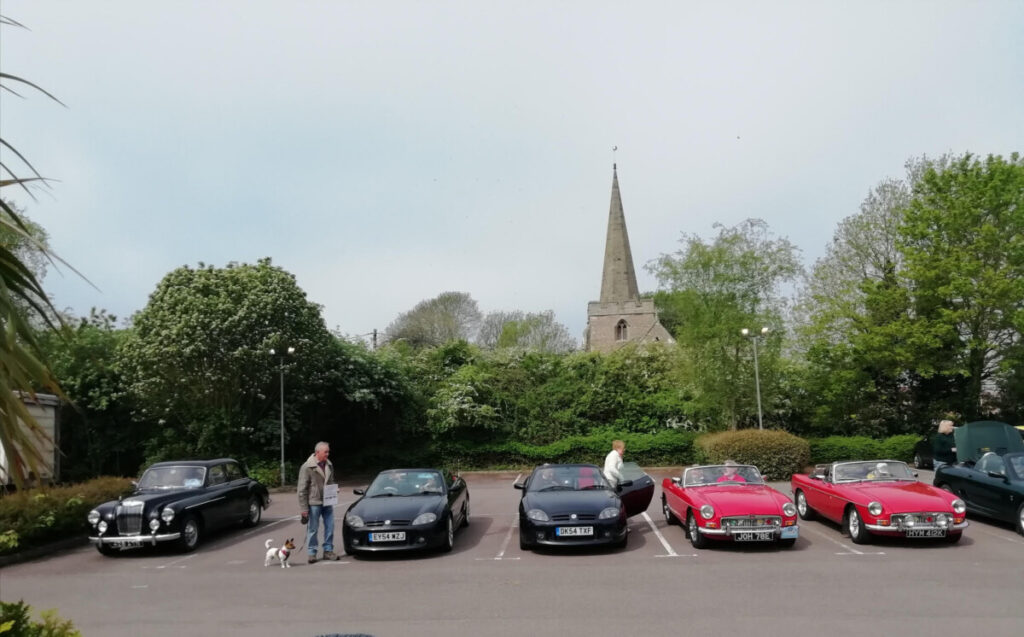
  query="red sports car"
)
[
  {"x": 880, "y": 497},
  {"x": 728, "y": 502}
]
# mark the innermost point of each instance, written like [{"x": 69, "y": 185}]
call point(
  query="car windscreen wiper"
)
[
  {"x": 386, "y": 494},
  {"x": 594, "y": 486},
  {"x": 556, "y": 487}
]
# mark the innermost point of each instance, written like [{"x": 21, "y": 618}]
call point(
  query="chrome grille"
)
[
  {"x": 129, "y": 518},
  {"x": 379, "y": 523},
  {"x": 580, "y": 517},
  {"x": 921, "y": 520},
  {"x": 749, "y": 523}
]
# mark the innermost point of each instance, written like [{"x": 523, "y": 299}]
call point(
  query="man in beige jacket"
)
[{"x": 314, "y": 475}]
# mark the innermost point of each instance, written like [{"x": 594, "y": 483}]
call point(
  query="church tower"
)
[{"x": 621, "y": 316}]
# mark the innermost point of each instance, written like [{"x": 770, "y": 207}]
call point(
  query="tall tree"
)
[
  {"x": 709, "y": 292},
  {"x": 526, "y": 330},
  {"x": 450, "y": 316}
]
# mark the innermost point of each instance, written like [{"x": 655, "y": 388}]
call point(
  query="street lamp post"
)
[
  {"x": 757, "y": 376},
  {"x": 282, "y": 354}
]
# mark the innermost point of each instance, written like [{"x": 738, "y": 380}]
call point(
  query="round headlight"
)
[
  {"x": 353, "y": 521},
  {"x": 154, "y": 524},
  {"x": 875, "y": 508},
  {"x": 959, "y": 507},
  {"x": 707, "y": 511},
  {"x": 94, "y": 517},
  {"x": 102, "y": 527},
  {"x": 537, "y": 515},
  {"x": 908, "y": 521},
  {"x": 789, "y": 509},
  {"x": 425, "y": 518},
  {"x": 167, "y": 515},
  {"x": 942, "y": 521},
  {"x": 608, "y": 514}
]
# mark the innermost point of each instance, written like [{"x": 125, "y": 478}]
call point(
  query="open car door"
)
[{"x": 637, "y": 496}]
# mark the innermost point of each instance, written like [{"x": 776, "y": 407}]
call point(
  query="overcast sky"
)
[{"x": 384, "y": 152}]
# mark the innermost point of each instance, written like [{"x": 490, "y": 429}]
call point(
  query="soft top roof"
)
[
  {"x": 975, "y": 439},
  {"x": 193, "y": 463}
]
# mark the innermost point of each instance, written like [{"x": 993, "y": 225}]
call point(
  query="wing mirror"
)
[
  {"x": 677, "y": 480},
  {"x": 359, "y": 491},
  {"x": 996, "y": 474},
  {"x": 520, "y": 485}
]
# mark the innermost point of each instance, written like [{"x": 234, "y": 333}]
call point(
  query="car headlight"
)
[
  {"x": 537, "y": 515},
  {"x": 875, "y": 508},
  {"x": 908, "y": 521},
  {"x": 789, "y": 509},
  {"x": 608, "y": 514},
  {"x": 424, "y": 518},
  {"x": 707, "y": 511},
  {"x": 154, "y": 524},
  {"x": 942, "y": 521},
  {"x": 94, "y": 517},
  {"x": 102, "y": 527},
  {"x": 167, "y": 515},
  {"x": 959, "y": 507},
  {"x": 353, "y": 521}
]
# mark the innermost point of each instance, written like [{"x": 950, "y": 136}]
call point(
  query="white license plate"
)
[
  {"x": 926, "y": 533},
  {"x": 751, "y": 536},
  {"x": 133, "y": 544},
  {"x": 570, "y": 531},
  {"x": 391, "y": 536}
]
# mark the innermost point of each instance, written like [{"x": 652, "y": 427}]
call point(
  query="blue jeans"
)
[{"x": 316, "y": 513}]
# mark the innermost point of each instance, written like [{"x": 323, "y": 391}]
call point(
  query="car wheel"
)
[
  {"x": 855, "y": 525},
  {"x": 787, "y": 543},
  {"x": 947, "y": 488},
  {"x": 255, "y": 512},
  {"x": 670, "y": 518},
  {"x": 696, "y": 539},
  {"x": 1020, "y": 520},
  {"x": 621, "y": 544},
  {"x": 918, "y": 462},
  {"x": 802, "y": 508},
  {"x": 190, "y": 531},
  {"x": 449, "y": 536},
  {"x": 465, "y": 514},
  {"x": 523, "y": 544},
  {"x": 953, "y": 538}
]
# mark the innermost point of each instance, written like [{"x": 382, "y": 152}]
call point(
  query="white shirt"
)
[{"x": 612, "y": 465}]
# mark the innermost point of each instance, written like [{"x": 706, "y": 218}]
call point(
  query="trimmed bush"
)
[
  {"x": 777, "y": 454},
  {"x": 37, "y": 516},
  {"x": 839, "y": 448},
  {"x": 268, "y": 472}
]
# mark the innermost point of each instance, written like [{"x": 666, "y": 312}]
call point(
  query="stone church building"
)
[{"x": 620, "y": 316}]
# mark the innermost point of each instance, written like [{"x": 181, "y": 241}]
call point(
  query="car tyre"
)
[
  {"x": 855, "y": 525},
  {"x": 449, "y": 536},
  {"x": 465, "y": 514},
  {"x": 190, "y": 534},
  {"x": 621, "y": 544},
  {"x": 1020, "y": 520},
  {"x": 670, "y": 518},
  {"x": 803, "y": 509},
  {"x": 920, "y": 462},
  {"x": 787, "y": 543},
  {"x": 696, "y": 539},
  {"x": 523, "y": 544},
  {"x": 953, "y": 538},
  {"x": 255, "y": 512}
]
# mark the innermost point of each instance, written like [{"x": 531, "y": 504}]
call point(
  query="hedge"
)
[
  {"x": 838, "y": 448},
  {"x": 37, "y": 516},
  {"x": 776, "y": 453}
]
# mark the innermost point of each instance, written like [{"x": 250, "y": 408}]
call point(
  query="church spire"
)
[{"x": 618, "y": 282}]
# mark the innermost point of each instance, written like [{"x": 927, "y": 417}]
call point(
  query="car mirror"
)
[
  {"x": 677, "y": 480},
  {"x": 996, "y": 474},
  {"x": 135, "y": 484},
  {"x": 915, "y": 474},
  {"x": 359, "y": 491},
  {"x": 519, "y": 485},
  {"x": 817, "y": 476}
]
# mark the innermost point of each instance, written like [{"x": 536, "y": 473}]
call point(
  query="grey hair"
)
[{"x": 321, "y": 446}]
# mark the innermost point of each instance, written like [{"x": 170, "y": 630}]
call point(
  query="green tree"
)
[
  {"x": 450, "y": 316},
  {"x": 709, "y": 292},
  {"x": 535, "y": 331},
  {"x": 197, "y": 361}
]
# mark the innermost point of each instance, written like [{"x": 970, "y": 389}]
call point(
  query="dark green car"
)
[{"x": 989, "y": 473}]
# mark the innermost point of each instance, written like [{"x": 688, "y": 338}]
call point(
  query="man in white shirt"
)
[{"x": 613, "y": 462}]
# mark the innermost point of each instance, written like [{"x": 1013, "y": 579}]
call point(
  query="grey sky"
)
[{"x": 384, "y": 152}]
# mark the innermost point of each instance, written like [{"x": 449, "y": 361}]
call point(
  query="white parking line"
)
[
  {"x": 849, "y": 549},
  {"x": 504, "y": 545},
  {"x": 172, "y": 563},
  {"x": 668, "y": 548}
]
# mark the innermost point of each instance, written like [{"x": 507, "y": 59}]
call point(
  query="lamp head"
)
[{"x": 745, "y": 332}]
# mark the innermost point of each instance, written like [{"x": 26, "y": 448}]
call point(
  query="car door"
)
[
  {"x": 457, "y": 494},
  {"x": 636, "y": 497},
  {"x": 238, "y": 491},
  {"x": 817, "y": 489},
  {"x": 989, "y": 489},
  {"x": 217, "y": 509}
]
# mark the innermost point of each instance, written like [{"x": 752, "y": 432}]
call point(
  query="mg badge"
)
[
  {"x": 387, "y": 522},
  {"x": 572, "y": 517}
]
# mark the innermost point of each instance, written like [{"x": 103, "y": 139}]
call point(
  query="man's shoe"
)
[
  {"x": 331, "y": 556},
  {"x": 313, "y": 559}
]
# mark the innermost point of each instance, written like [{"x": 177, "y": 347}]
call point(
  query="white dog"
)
[{"x": 280, "y": 554}]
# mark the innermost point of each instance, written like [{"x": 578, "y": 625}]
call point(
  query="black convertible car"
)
[
  {"x": 989, "y": 474},
  {"x": 573, "y": 505},
  {"x": 406, "y": 509},
  {"x": 179, "y": 502}
]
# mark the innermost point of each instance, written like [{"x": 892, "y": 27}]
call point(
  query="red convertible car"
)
[
  {"x": 880, "y": 497},
  {"x": 728, "y": 502}
]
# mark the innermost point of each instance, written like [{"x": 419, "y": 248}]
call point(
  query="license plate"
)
[
  {"x": 133, "y": 544},
  {"x": 926, "y": 533},
  {"x": 569, "y": 531},
  {"x": 767, "y": 536},
  {"x": 391, "y": 536}
]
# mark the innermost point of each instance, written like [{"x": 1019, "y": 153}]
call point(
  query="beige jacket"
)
[{"x": 311, "y": 482}]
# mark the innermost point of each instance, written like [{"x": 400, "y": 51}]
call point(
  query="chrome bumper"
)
[
  {"x": 777, "y": 531},
  {"x": 115, "y": 540},
  {"x": 899, "y": 529}
]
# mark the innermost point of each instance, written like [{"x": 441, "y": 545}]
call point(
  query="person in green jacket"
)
[
  {"x": 314, "y": 475},
  {"x": 943, "y": 445}
]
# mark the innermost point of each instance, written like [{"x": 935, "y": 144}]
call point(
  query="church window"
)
[{"x": 621, "y": 330}]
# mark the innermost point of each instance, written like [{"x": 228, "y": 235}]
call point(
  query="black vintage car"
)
[
  {"x": 405, "y": 509},
  {"x": 574, "y": 505},
  {"x": 179, "y": 502},
  {"x": 989, "y": 473}
]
